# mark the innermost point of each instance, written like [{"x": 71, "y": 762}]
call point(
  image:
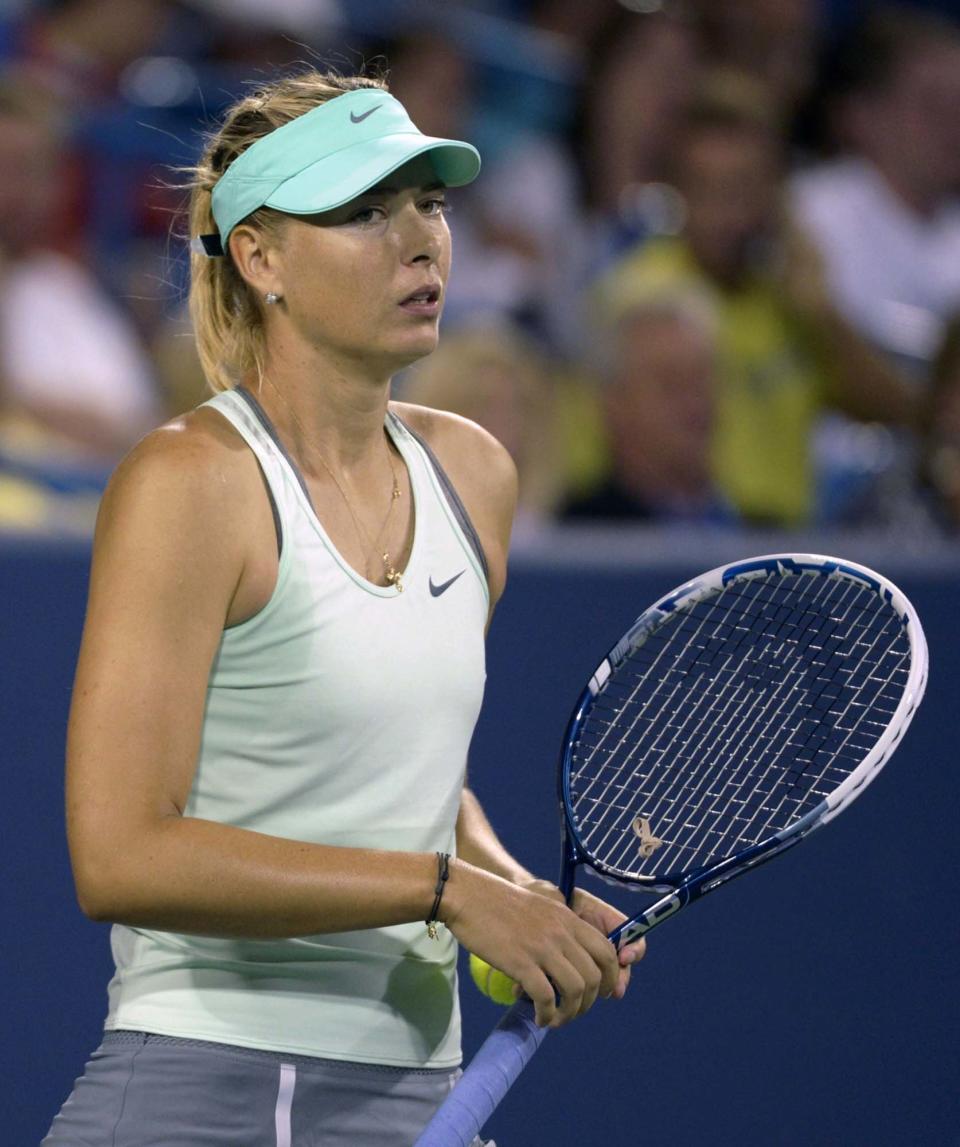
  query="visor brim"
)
[{"x": 342, "y": 176}]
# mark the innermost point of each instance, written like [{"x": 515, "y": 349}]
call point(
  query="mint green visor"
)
[{"x": 327, "y": 157}]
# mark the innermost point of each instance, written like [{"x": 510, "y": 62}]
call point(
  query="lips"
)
[
  {"x": 425, "y": 296},
  {"x": 424, "y": 303}
]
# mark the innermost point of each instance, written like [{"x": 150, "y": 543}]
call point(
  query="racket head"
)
[{"x": 741, "y": 711}]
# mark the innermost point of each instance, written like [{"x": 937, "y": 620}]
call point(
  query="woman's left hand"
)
[{"x": 604, "y": 917}]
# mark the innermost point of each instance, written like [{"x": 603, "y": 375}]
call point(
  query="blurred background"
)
[{"x": 707, "y": 291}]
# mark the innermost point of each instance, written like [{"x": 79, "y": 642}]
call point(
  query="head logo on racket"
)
[{"x": 740, "y": 713}]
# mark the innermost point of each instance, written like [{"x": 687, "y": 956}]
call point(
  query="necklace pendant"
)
[{"x": 391, "y": 574}]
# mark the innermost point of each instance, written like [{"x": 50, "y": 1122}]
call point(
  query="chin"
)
[{"x": 416, "y": 348}]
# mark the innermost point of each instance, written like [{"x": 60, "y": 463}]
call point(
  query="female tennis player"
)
[{"x": 282, "y": 666}]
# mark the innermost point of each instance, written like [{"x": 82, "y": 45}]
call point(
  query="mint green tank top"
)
[{"x": 340, "y": 714}]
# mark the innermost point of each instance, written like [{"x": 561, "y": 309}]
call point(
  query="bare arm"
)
[
  {"x": 865, "y": 385},
  {"x": 478, "y": 844},
  {"x": 170, "y": 559},
  {"x": 80, "y": 426},
  {"x": 174, "y": 562},
  {"x": 486, "y": 477}
]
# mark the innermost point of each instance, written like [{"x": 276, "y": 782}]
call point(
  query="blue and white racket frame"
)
[
  {"x": 678, "y": 893},
  {"x": 516, "y": 1038}
]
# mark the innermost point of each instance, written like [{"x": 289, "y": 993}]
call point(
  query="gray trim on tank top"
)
[
  {"x": 264, "y": 419},
  {"x": 453, "y": 498},
  {"x": 277, "y": 525}
]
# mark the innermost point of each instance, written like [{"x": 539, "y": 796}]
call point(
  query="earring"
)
[{"x": 270, "y": 298}]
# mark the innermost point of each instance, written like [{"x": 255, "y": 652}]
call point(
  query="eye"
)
[
  {"x": 435, "y": 205},
  {"x": 367, "y": 215}
]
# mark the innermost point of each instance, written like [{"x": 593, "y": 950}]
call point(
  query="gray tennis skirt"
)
[{"x": 143, "y": 1090}]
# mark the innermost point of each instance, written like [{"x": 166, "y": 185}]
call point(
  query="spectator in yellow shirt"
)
[
  {"x": 658, "y": 401},
  {"x": 784, "y": 351}
]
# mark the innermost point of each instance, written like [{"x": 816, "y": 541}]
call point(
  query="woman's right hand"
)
[{"x": 561, "y": 962}]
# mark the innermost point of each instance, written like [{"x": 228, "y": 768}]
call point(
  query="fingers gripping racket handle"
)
[
  {"x": 492, "y": 1072},
  {"x": 506, "y": 1052}
]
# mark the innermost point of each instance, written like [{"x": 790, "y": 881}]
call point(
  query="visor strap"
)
[{"x": 208, "y": 245}]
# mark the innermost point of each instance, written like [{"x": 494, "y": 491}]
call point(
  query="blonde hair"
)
[{"x": 227, "y": 315}]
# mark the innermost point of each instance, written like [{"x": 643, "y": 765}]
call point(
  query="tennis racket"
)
[{"x": 737, "y": 715}]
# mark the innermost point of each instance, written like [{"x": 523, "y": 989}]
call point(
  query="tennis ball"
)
[{"x": 497, "y": 985}]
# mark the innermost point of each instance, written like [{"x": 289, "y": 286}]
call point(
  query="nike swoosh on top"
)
[
  {"x": 360, "y": 118},
  {"x": 436, "y": 590}
]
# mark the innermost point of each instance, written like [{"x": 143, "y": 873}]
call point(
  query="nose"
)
[{"x": 421, "y": 236}]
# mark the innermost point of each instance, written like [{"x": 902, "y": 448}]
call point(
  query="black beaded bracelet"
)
[{"x": 443, "y": 875}]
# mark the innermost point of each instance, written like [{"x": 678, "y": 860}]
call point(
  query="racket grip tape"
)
[{"x": 492, "y": 1072}]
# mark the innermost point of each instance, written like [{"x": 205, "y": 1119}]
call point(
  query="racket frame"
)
[
  {"x": 681, "y": 889},
  {"x": 516, "y": 1038}
]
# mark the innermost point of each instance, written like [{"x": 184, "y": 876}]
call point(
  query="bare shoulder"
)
[
  {"x": 195, "y": 446},
  {"x": 171, "y": 553},
  {"x": 469, "y": 454},
  {"x": 186, "y": 505},
  {"x": 194, "y": 467},
  {"x": 482, "y": 472}
]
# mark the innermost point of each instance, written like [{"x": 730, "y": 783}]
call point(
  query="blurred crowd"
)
[{"x": 709, "y": 275}]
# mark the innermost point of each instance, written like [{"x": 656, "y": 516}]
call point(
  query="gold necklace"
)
[{"x": 390, "y": 572}]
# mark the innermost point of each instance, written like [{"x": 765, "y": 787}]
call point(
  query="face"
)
[
  {"x": 125, "y": 30},
  {"x": 662, "y": 395},
  {"x": 366, "y": 281},
  {"x": 29, "y": 188},
  {"x": 731, "y": 183},
  {"x": 776, "y": 40},
  {"x": 653, "y": 71},
  {"x": 498, "y": 399},
  {"x": 920, "y": 111}
]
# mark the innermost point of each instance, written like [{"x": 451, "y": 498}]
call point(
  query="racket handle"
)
[{"x": 504, "y": 1054}]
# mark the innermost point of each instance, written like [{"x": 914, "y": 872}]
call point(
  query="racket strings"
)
[
  {"x": 727, "y": 642},
  {"x": 755, "y": 787},
  {"x": 774, "y": 710},
  {"x": 733, "y": 718}
]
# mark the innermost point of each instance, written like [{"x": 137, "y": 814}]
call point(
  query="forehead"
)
[
  {"x": 665, "y": 332},
  {"x": 722, "y": 139},
  {"x": 718, "y": 156}
]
